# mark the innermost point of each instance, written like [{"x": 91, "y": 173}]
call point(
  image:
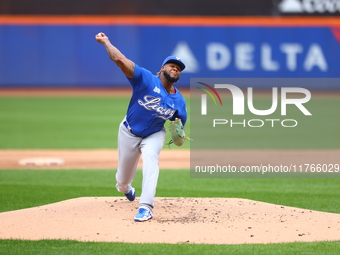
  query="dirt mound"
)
[{"x": 176, "y": 220}]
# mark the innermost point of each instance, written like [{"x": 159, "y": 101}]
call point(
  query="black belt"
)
[{"x": 128, "y": 126}]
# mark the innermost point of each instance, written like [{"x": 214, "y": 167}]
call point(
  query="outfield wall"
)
[{"x": 61, "y": 51}]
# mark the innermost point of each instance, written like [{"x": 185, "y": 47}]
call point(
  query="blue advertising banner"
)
[{"x": 69, "y": 56}]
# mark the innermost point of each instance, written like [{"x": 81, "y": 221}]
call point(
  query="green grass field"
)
[
  {"x": 52, "y": 247},
  {"x": 80, "y": 123},
  {"x": 62, "y": 123}
]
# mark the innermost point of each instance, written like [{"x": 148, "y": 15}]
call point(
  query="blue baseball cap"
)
[{"x": 175, "y": 60}]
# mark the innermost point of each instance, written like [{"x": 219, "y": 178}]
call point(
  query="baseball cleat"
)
[
  {"x": 143, "y": 214},
  {"x": 131, "y": 195}
]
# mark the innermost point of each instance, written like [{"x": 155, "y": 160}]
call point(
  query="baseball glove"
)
[{"x": 177, "y": 131}]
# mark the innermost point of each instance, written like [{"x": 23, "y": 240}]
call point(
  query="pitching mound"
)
[{"x": 176, "y": 220}]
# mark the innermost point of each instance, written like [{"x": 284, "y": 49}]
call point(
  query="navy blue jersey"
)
[{"x": 151, "y": 105}]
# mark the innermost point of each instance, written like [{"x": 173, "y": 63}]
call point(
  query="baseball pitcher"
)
[{"x": 141, "y": 133}]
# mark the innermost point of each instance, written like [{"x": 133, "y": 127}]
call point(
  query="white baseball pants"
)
[{"x": 130, "y": 148}]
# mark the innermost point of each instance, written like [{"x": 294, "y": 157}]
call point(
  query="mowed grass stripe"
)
[
  {"x": 85, "y": 123},
  {"x": 27, "y": 188}
]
